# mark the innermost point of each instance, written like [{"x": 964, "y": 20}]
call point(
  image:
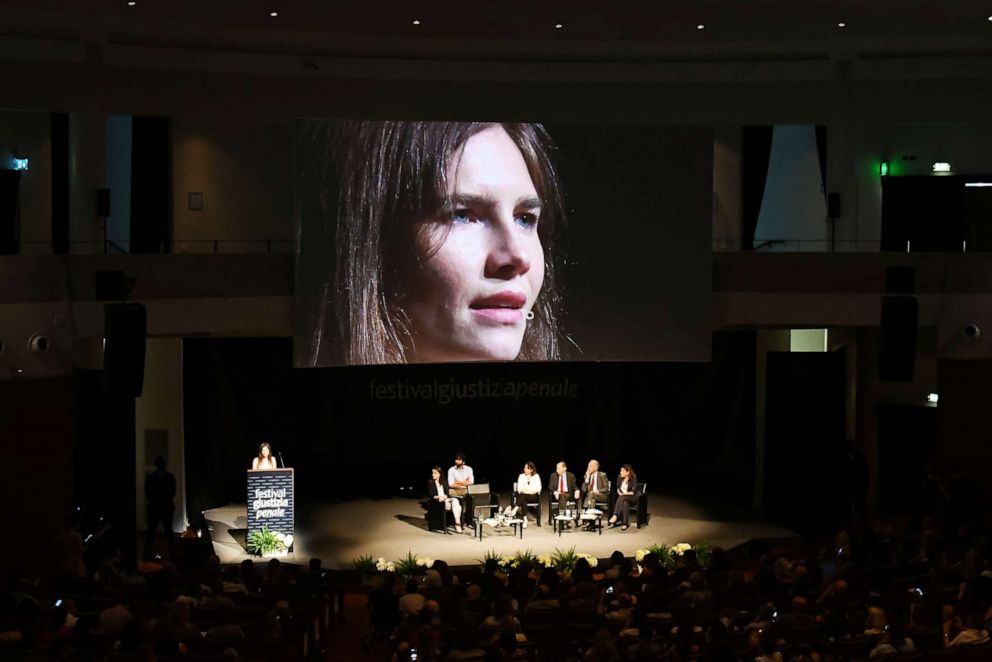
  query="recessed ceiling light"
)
[
  {"x": 416, "y": 21},
  {"x": 841, "y": 24},
  {"x": 132, "y": 3},
  {"x": 558, "y": 26},
  {"x": 273, "y": 14},
  {"x": 700, "y": 26}
]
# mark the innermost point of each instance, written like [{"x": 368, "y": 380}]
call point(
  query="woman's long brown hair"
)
[{"x": 382, "y": 177}]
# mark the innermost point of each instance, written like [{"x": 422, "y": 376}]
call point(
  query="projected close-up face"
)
[
  {"x": 481, "y": 262},
  {"x": 474, "y": 241}
]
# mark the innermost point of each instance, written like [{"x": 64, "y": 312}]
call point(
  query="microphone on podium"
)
[{"x": 281, "y": 461}]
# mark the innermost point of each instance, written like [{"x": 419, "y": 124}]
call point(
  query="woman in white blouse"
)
[{"x": 529, "y": 490}]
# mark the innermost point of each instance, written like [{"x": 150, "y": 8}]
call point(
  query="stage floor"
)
[{"x": 338, "y": 532}]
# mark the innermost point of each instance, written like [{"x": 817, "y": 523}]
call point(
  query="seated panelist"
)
[
  {"x": 594, "y": 484},
  {"x": 562, "y": 485},
  {"x": 437, "y": 490}
]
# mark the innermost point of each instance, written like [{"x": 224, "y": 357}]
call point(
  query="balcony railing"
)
[{"x": 174, "y": 246}]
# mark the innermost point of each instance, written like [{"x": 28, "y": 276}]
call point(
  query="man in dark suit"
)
[
  {"x": 595, "y": 485},
  {"x": 562, "y": 486},
  {"x": 160, "y": 493}
]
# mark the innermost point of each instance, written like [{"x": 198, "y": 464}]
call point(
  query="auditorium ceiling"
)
[{"x": 471, "y": 29}]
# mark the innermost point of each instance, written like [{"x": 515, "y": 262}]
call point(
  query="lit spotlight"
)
[
  {"x": 131, "y": 3},
  {"x": 700, "y": 27},
  {"x": 933, "y": 398},
  {"x": 842, "y": 24},
  {"x": 558, "y": 26},
  {"x": 416, "y": 21},
  {"x": 273, "y": 14}
]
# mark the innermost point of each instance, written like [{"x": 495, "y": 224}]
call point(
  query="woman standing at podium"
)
[{"x": 264, "y": 460}]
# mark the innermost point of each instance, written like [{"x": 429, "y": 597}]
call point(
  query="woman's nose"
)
[{"x": 509, "y": 250}]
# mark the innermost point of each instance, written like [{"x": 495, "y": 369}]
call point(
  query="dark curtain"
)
[
  {"x": 684, "y": 427},
  {"x": 151, "y": 185},
  {"x": 60, "y": 183},
  {"x": 907, "y": 440},
  {"x": 237, "y": 393},
  {"x": 756, "y": 148},
  {"x": 930, "y": 212},
  {"x": 821, "y": 153},
  {"x": 10, "y": 185},
  {"x": 804, "y": 439},
  {"x": 105, "y": 456}
]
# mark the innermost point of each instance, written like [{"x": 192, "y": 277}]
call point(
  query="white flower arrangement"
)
[
  {"x": 545, "y": 560},
  {"x": 681, "y": 548},
  {"x": 382, "y": 565},
  {"x": 425, "y": 561},
  {"x": 508, "y": 562},
  {"x": 640, "y": 554},
  {"x": 592, "y": 560}
]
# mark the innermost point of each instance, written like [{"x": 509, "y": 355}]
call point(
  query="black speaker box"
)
[
  {"x": 900, "y": 280},
  {"x": 111, "y": 286},
  {"x": 833, "y": 205},
  {"x": 125, "y": 325},
  {"x": 897, "y": 344},
  {"x": 103, "y": 202}
]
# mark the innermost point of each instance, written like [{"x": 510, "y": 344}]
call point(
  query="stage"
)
[{"x": 338, "y": 532}]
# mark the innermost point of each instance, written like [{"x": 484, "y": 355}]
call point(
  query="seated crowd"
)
[
  {"x": 158, "y": 610},
  {"x": 905, "y": 591}
]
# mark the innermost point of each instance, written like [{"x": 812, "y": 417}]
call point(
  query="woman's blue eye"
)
[
  {"x": 527, "y": 220},
  {"x": 462, "y": 216}
]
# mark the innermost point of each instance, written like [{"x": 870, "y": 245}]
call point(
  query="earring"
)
[{"x": 530, "y": 315}]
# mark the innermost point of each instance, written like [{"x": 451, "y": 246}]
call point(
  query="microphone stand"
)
[{"x": 281, "y": 461}]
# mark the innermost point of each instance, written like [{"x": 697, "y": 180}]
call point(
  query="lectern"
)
[{"x": 271, "y": 501}]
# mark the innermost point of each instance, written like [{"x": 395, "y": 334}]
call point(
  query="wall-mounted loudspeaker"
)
[
  {"x": 103, "y": 202},
  {"x": 833, "y": 205},
  {"x": 897, "y": 343},
  {"x": 39, "y": 344},
  {"x": 125, "y": 325}
]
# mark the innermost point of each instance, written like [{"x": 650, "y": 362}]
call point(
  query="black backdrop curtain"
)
[
  {"x": 804, "y": 439},
  {"x": 151, "y": 185},
  {"x": 821, "y": 153},
  {"x": 60, "y": 183},
  {"x": 10, "y": 184},
  {"x": 684, "y": 427},
  {"x": 756, "y": 149}
]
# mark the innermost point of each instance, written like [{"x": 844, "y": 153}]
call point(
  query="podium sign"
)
[{"x": 270, "y": 501}]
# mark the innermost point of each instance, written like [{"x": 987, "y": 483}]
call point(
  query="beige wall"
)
[{"x": 243, "y": 169}]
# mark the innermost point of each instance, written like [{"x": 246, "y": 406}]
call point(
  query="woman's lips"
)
[
  {"x": 501, "y": 308},
  {"x": 500, "y": 315}
]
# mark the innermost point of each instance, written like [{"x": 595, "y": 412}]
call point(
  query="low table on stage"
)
[
  {"x": 592, "y": 517},
  {"x": 559, "y": 522},
  {"x": 515, "y": 523},
  {"x": 271, "y": 500}
]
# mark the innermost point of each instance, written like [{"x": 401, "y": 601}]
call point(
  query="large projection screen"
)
[{"x": 474, "y": 241}]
